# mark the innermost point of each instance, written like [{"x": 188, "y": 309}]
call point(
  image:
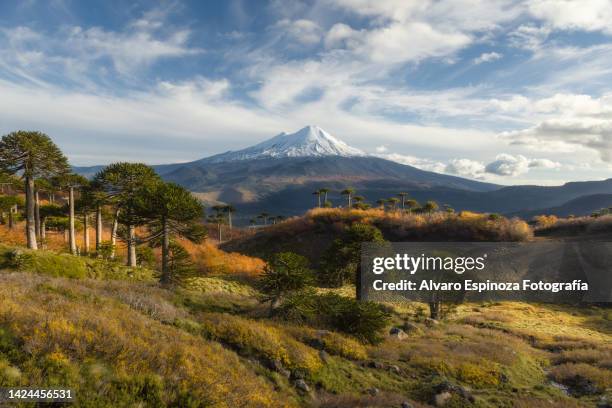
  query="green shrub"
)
[
  {"x": 285, "y": 273},
  {"x": 365, "y": 321},
  {"x": 342, "y": 260}
]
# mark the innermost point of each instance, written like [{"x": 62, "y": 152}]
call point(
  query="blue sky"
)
[{"x": 506, "y": 91}]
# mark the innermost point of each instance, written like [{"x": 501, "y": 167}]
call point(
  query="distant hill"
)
[
  {"x": 279, "y": 175},
  {"x": 580, "y": 206}
]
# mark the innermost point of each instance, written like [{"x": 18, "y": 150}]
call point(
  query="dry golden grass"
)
[
  {"x": 61, "y": 329},
  {"x": 211, "y": 260},
  {"x": 436, "y": 226}
]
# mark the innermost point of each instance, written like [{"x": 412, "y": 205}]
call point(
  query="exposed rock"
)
[
  {"x": 442, "y": 398},
  {"x": 429, "y": 322},
  {"x": 395, "y": 369},
  {"x": 445, "y": 390},
  {"x": 398, "y": 333},
  {"x": 324, "y": 356},
  {"x": 302, "y": 386},
  {"x": 376, "y": 364},
  {"x": 373, "y": 391}
]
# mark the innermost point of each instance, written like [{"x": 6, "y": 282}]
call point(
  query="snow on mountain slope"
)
[{"x": 311, "y": 141}]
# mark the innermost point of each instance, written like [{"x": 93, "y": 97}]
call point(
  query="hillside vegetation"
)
[
  {"x": 119, "y": 339},
  {"x": 310, "y": 235}
]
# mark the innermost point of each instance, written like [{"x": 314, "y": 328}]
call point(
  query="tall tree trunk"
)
[
  {"x": 219, "y": 231},
  {"x": 30, "y": 223},
  {"x": 350, "y": 201},
  {"x": 98, "y": 227},
  {"x": 43, "y": 233},
  {"x": 11, "y": 219},
  {"x": 165, "y": 276},
  {"x": 434, "y": 309},
  {"x": 86, "y": 233},
  {"x": 131, "y": 261},
  {"x": 114, "y": 234},
  {"x": 52, "y": 198},
  {"x": 71, "y": 235},
  {"x": 229, "y": 219},
  {"x": 325, "y": 200},
  {"x": 37, "y": 214}
]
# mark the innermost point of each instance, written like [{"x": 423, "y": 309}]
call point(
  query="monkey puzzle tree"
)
[
  {"x": 393, "y": 202},
  {"x": 170, "y": 210},
  {"x": 71, "y": 182},
  {"x": 412, "y": 204},
  {"x": 7, "y": 204},
  {"x": 123, "y": 184},
  {"x": 402, "y": 197},
  {"x": 318, "y": 195},
  {"x": 47, "y": 211},
  {"x": 349, "y": 196},
  {"x": 324, "y": 191},
  {"x": 430, "y": 206},
  {"x": 31, "y": 155}
]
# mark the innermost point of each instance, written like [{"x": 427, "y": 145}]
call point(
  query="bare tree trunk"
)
[
  {"x": 85, "y": 233},
  {"x": 319, "y": 199},
  {"x": 98, "y": 227},
  {"x": 229, "y": 219},
  {"x": 71, "y": 235},
  {"x": 65, "y": 236},
  {"x": 37, "y": 214},
  {"x": 434, "y": 309},
  {"x": 11, "y": 221},
  {"x": 131, "y": 261},
  {"x": 30, "y": 223},
  {"x": 43, "y": 233},
  {"x": 114, "y": 234},
  {"x": 219, "y": 230},
  {"x": 165, "y": 275}
]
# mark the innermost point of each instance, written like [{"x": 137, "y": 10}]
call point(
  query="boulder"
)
[
  {"x": 373, "y": 391},
  {"x": 398, "y": 333},
  {"x": 302, "y": 386},
  {"x": 429, "y": 322}
]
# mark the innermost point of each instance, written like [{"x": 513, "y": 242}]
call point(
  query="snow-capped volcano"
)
[{"x": 311, "y": 141}]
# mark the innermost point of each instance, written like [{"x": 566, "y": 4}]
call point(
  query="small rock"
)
[
  {"x": 302, "y": 386},
  {"x": 395, "y": 369},
  {"x": 442, "y": 398},
  {"x": 429, "y": 322},
  {"x": 324, "y": 356},
  {"x": 398, "y": 333},
  {"x": 376, "y": 364},
  {"x": 373, "y": 391},
  {"x": 406, "y": 404}
]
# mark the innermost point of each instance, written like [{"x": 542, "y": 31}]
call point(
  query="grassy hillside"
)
[
  {"x": 118, "y": 339},
  {"x": 311, "y": 234}
]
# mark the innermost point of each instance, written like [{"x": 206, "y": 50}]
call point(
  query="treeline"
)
[
  {"x": 132, "y": 195},
  {"x": 401, "y": 202}
]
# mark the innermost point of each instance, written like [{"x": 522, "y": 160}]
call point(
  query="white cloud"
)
[
  {"x": 418, "y": 162},
  {"x": 465, "y": 168},
  {"x": 529, "y": 37},
  {"x": 381, "y": 149},
  {"x": 587, "y": 15},
  {"x": 570, "y": 134},
  {"x": 516, "y": 165},
  {"x": 487, "y": 57},
  {"x": 302, "y": 31}
]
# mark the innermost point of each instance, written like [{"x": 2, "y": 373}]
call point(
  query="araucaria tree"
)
[
  {"x": 285, "y": 273},
  {"x": 171, "y": 210},
  {"x": 349, "y": 192},
  {"x": 124, "y": 183},
  {"x": 31, "y": 155}
]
